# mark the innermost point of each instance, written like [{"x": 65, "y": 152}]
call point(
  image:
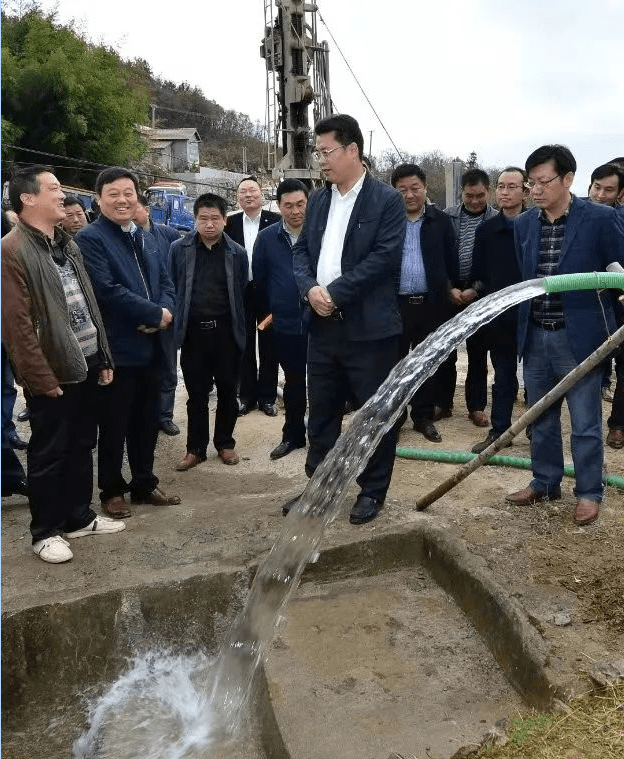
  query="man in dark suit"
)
[
  {"x": 556, "y": 331},
  {"x": 258, "y": 379},
  {"x": 494, "y": 264},
  {"x": 209, "y": 272},
  {"x": 346, "y": 262},
  {"x": 424, "y": 284}
]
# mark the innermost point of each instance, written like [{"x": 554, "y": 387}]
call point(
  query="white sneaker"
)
[
  {"x": 54, "y": 550},
  {"x": 99, "y": 526}
]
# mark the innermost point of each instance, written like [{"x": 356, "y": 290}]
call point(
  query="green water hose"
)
[{"x": 515, "y": 462}]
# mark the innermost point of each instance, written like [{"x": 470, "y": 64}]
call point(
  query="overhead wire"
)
[{"x": 378, "y": 117}]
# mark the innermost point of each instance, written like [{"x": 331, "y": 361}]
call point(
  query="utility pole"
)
[
  {"x": 370, "y": 145},
  {"x": 153, "y": 108}
]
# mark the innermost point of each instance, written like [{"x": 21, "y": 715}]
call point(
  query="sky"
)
[{"x": 496, "y": 78}]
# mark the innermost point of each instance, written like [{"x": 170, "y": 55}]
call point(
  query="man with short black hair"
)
[
  {"x": 55, "y": 339},
  {"x": 164, "y": 236},
  {"x": 423, "y": 286},
  {"x": 346, "y": 261},
  {"x": 466, "y": 217},
  {"x": 564, "y": 234},
  {"x": 210, "y": 273},
  {"x": 494, "y": 264},
  {"x": 277, "y": 294},
  {"x": 137, "y": 299},
  {"x": 606, "y": 185},
  {"x": 75, "y": 217},
  {"x": 258, "y": 379}
]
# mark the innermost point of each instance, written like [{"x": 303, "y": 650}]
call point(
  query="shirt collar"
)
[
  {"x": 129, "y": 227},
  {"x": 249, "y": 220},
  {"x": 355, "y": 189},
  {"x": 546, "y": 220}
]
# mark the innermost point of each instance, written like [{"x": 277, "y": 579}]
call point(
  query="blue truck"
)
[{"x": 169, "y": 204}]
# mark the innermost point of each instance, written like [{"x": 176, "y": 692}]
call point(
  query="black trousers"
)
[
  {"x": 128, "y": 414},
  {"x": 339, "y": 369},
  {"x": 60, "y": 458},
  {"x": 258, "y": 379},
  {"x": 292, "y": 356},
  {"x": 419, "y": 321},
  {"x": 210, "y": 356}
]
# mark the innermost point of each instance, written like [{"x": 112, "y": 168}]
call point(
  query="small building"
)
[{"x": 174, "y": 150}]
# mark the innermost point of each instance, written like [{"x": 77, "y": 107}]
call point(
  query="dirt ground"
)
[{"x": 569, "y": 579}]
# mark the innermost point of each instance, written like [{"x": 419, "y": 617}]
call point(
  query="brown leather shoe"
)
[
  {"x": 479, "y": 418},
  {"x": 189, "y": 461},
  {"x": 615, "y": 439},
  {"x": 116, "y": 507},
  {"x": 156, "y": 498},
  {"x": 229, "y": 456},
  {"x": 529, "y": 496},
  {"x": 586, "y": 511}
]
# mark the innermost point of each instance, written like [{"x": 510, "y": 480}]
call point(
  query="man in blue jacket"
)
[
  {"x": 346, "y": 262},
  {"x": 163, "y": 236},
  {"x": 277, "y": 295},
  {"x": 210, "y": 272},
  {"x": 564, "y": 235},
  {"x": 137, "y": 300}
]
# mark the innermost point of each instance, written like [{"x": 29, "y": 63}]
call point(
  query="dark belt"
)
[
  {"x": 549, "y": 326},
  {"x": 415, "y": 300},
  {"x": 205, "y": 326}
]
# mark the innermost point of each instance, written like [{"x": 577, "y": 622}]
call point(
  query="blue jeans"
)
[{"x": 547, "y": 359}]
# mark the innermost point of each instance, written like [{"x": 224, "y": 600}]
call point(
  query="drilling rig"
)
[{"x": 297, "y": 71}]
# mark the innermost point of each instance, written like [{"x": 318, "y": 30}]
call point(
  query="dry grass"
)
[{"x": 593, "y": 728}]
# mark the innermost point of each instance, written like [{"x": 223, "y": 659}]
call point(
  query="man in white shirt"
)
[
  {"x": 258, "y": 379},
  {"x": 346, "y": 262}
]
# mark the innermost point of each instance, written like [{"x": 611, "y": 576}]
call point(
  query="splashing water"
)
[{"x": 206, "y": 702}]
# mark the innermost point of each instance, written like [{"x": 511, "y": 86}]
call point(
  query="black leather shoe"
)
[
  {"x": 365, "y": 509},
  {"x": 169, "y": 427},
  {"x": 291, "y": 503},
  {"x": 15, "y": 441},
  {"x": 24, "y": 415},
  {"x": 491, "y": 437},
  {"x": 17, "y": 488},
  {"x": 283, "y": 449},
  {"x": 268, "y": 409},
  {"x": 441, "y": 413},
  {"x": 428, "y": 429},
  {"x": 245, "y": 408}
]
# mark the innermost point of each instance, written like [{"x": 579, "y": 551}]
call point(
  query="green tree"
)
[{"x": 65, "y": 96}]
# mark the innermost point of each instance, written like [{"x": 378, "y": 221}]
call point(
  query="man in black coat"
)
[
  {"x": 346, "y": 261},
  {"x": 423, "y": 286},
  {"x": 258, "y": 379},
  {"x": 495, "y": 265}
]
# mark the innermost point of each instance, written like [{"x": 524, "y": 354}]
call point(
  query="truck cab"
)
[{"x": 170, "y": 205}]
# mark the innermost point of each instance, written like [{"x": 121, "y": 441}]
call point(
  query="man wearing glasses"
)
[
  {"x": 494, "y": 265},
  {"x": 346, "y": 261},
  {"x": 562, "y": 235}
]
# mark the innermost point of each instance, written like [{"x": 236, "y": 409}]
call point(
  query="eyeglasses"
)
[
  {"x": 531, "y": 183},
  {"x": 320, "y": 155},
  {"x": 511, "y": 187}
]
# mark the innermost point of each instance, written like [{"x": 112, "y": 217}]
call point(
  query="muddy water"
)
[{"x": 365, "y": 667}]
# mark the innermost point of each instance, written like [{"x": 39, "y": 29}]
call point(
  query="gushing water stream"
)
[{"x": 208, "y": 706}]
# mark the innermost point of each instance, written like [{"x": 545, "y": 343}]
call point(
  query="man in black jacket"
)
[
  {"x": 346, "y": 262},
  {"x": 494, "y": 264},
  {"x": 424, "y": 285},
  {"x": 258, "y": 379}
]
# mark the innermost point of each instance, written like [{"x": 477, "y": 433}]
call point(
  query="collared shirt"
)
[
  {"x": 330, "y": 259},
  {"x": 293, "y": 237},
  {"x": 548, "y": 307},
  {"x": 413, "y": 277},
  {"x": 251, "y": 227}
]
